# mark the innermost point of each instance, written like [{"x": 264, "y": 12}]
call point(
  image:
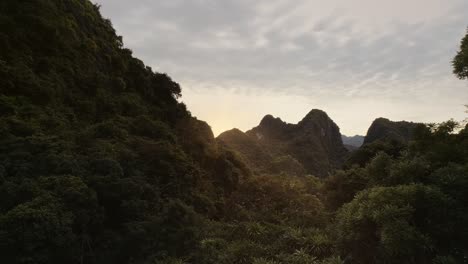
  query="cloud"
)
[{"x": 391, "y": 51}]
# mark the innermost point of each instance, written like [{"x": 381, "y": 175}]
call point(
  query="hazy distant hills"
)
[
  {"x": 313, "y": 146},
  {"x": 352, "y": 143}
]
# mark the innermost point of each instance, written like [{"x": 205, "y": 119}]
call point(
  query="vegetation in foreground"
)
[{"x": 99, "y": 163}]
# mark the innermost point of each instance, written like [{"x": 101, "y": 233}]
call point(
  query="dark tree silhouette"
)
[{"x": 460, "y": 62}]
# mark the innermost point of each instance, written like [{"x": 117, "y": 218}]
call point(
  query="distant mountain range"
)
[
  {"x": 352, "y": 143},
  {"x": 313, "y": 146},
  {"x": 100, "y": 162}
]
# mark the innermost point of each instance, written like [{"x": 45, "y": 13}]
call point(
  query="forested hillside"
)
[
  {"x": 313, "y": 146},
  {"x": 384, "y": 129},
  {"x": 95, "y": 163},
  {"x": 100, "y": 163}
]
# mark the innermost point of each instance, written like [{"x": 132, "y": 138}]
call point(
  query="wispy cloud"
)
[{"x": 335, "y": 54}]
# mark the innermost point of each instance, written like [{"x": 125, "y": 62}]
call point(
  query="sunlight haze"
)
[{"x": 357, "y": 60}]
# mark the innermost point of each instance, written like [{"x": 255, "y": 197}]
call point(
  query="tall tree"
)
[{"x": 460, "y": 61}]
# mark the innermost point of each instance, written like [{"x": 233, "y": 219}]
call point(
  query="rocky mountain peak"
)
[
  {"x": 315, "y": 115},
  {"x": 270, "y": 121},
  {"x": 384, "y": 129},
  {"x": 315, "y": 142}
]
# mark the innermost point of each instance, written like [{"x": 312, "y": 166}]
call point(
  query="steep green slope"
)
[
  {"x": 384, "y": 129},
  {"x": 253, "y": 153},
  {"x": 263, "y": 159},
  {"x": 95, "y": 162},
  {"x": 99, "y": 163}
]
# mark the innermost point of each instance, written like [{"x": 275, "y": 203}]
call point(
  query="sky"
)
[{"x": 238, "y": 60}]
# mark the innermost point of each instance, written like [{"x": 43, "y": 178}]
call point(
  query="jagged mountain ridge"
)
[
  {"x": 314, "y": 144},
  {"x": 99, "y": 163}
]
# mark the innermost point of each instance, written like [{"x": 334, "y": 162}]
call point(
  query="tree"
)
[
  {"x": 460, "y": 61},
  {"x": 402, "y": 224}
]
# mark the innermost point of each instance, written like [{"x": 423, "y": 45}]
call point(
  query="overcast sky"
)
[{"x": 239, "y": 60}]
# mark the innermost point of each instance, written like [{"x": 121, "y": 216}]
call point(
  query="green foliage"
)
[
  {"x": 444, "y": 260},
  {"x": 460, "y": 61},
  {"x": 333, "y": 260},
  {"x": 269, "y": 219},
  {"x": 341, "y": 187},
  {"x": 413, "y": 208},
  {"x": 277, "y": 199},
  {"x": 99, "y": 163},
  {"x": 383, "y": 129},
  {"x": 392, "y": 224},
  {"x": 367, "y": 152},
  {"x": 97, "y": 160},
  {"x": 39, "y": 231}
]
